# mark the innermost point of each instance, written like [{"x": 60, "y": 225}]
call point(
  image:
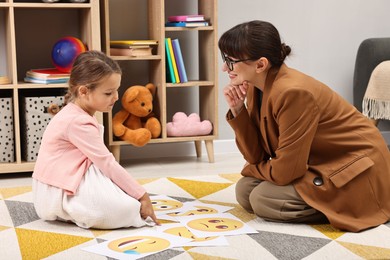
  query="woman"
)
[{"x": 311, "y": 156}]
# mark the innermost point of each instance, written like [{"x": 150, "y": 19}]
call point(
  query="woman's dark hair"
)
[
  {"x": 253, "y": 40},
  {"x": 89, "y": 69}
]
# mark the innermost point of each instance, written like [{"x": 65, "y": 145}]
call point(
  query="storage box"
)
[
  {"x": 38, "y": 111},
  {"x": 7, "y": 149}
]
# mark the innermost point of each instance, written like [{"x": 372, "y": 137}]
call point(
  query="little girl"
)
[{"x": 76, "y": 178}]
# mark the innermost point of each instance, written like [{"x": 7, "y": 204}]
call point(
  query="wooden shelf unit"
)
[
  {"x": 204, "y": 84},
  {"x": 28, "y": 30}
]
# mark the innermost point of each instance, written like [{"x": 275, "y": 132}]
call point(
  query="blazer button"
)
[{"x": 318, "y": 181}]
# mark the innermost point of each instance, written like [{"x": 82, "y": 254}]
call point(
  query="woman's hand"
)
[
  {"x": 147, "y": 208},
  {"x": 235, "y": 96}
]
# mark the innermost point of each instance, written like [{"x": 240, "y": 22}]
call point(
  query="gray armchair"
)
[{"x": 371, "y": 52}]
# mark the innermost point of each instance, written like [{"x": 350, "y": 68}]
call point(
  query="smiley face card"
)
[
  {"x": 191, "y": 208},
  {"x": 199, "y": 208},
  {"x": 163, "y": 205},
  {"x": 178, "y": 229},
  {"x": 138, "y": 245},
  {"x": 223, "y": 224}
]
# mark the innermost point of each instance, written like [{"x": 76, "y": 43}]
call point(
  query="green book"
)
[{"x": 170, "y": 72}]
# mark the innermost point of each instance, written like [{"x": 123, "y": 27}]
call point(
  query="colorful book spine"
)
[
  {"x": 45, "y": 81},
  {"x": 186, "y": 18},
  {"x": 176, "y": 73},
  {"x": 186, "y": 24},
  {"x": 179, "y": 60},
  {"x": 135, "y": 42},
  {"x": 131, "y": 51},
  {"x": 170, "y": 73}
]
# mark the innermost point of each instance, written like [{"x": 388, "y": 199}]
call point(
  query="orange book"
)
[{"x": 134, "y": 52}]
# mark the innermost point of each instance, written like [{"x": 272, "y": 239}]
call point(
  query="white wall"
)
[{"x": 324, "y": 36}]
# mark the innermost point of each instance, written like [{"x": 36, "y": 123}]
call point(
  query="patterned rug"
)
[{"x": 24, "y": 236}]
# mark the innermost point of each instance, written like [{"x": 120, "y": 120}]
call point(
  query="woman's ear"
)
[{"x": 262, "y": 64}]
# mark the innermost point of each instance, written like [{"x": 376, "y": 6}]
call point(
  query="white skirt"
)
[{"x": 99, "y": 203}]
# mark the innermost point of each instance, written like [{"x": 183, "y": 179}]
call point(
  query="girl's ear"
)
[{"x": 83, "y": 90}]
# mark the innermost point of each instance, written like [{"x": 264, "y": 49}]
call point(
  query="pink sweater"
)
[{"x": 71, "y": 143}]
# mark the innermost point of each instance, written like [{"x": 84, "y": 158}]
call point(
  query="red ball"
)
[{"x": 65, "y": 51}]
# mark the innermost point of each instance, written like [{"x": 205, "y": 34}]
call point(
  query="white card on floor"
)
[
  {"x": 223, "y": 224},
  {"x": 178, "y": 229},
  {"x": 199, "y": 208},
  {"x": 138, "y": 245},
  {"x": 163, "y": 204}
]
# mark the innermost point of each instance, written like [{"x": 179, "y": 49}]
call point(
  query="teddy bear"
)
[{"x": 135, "y": 122}]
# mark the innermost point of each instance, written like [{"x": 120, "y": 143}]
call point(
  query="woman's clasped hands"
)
[{"x": 235, "y": 96}]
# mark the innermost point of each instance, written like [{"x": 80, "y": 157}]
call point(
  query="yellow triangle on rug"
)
[
  {"x": 367, "y": 252},
  {"x": 233, "y": 177},
  {"x": 328, "y": 230},
  {"x": 146, "y": 181},
  {"x": 3, "y": 228},
  {"x": 11, "y": 192},
  {"x": 199, "y": 189},
  {"x": 40, "y": 244},
  {"x": 99, "y": 232},
  {"x": 208, "y": 257}
]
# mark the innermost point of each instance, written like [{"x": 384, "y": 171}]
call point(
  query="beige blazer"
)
[{"x": 306, "y": 134}]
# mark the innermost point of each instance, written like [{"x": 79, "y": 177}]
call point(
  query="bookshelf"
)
[
  {"x": 139, "y": 19},
  {"x": 28, "y": 30}
]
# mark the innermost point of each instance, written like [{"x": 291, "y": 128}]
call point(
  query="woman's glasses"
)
[{"x": 229, "y": 62}]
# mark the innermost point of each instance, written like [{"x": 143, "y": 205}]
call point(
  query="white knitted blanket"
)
[{"x": 376, "y": 101}]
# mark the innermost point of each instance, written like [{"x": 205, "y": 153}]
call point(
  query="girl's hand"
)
[
  {"x": 235, "y": 96},
  {"x": 147, "y": 208}
]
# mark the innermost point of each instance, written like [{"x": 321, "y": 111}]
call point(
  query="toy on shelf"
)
[
  {"x": 183, "y": 125},
  {"x": 65, "y": 51},
  {"x": 135, "y": 122}
]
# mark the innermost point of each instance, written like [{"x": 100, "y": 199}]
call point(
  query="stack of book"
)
[
  {"x": 132, "y": 48},
  {"x": 46, "y": 76},
  {"x": 194, "y": 20},
  {"x": 176, "y": 71},
  {"x": 4, "y": 80}
]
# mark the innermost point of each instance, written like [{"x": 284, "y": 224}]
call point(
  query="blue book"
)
[
  {"x": 169, "y": 67},
  {"x": 179, "y": 60},
  {"x": 46, "y": 81}
]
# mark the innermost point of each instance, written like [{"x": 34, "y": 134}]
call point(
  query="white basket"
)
[
  {"x": 36, "y": 118},
  {"x": 7, "y": 139}
]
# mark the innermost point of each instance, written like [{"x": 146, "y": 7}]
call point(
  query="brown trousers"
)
[{"x": 275, "y": 203}]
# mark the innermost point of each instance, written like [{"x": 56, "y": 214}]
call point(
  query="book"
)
[
  {"x": 186, "y": 18},
  {"x": 170, "y": 73},
  {"x": 179, "y": 60},
  {"x": 186, "y": 24},
  {"x": 129, "y": 46},
  {"x": 134, "y": 42},
  {"x": 174, "y": 66},
  {"x": 46, "y": 81},
  {"x": 134, "y": 52},
  {"x": 47, "y": 73},
  {"x": 4, "y": 80}
]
